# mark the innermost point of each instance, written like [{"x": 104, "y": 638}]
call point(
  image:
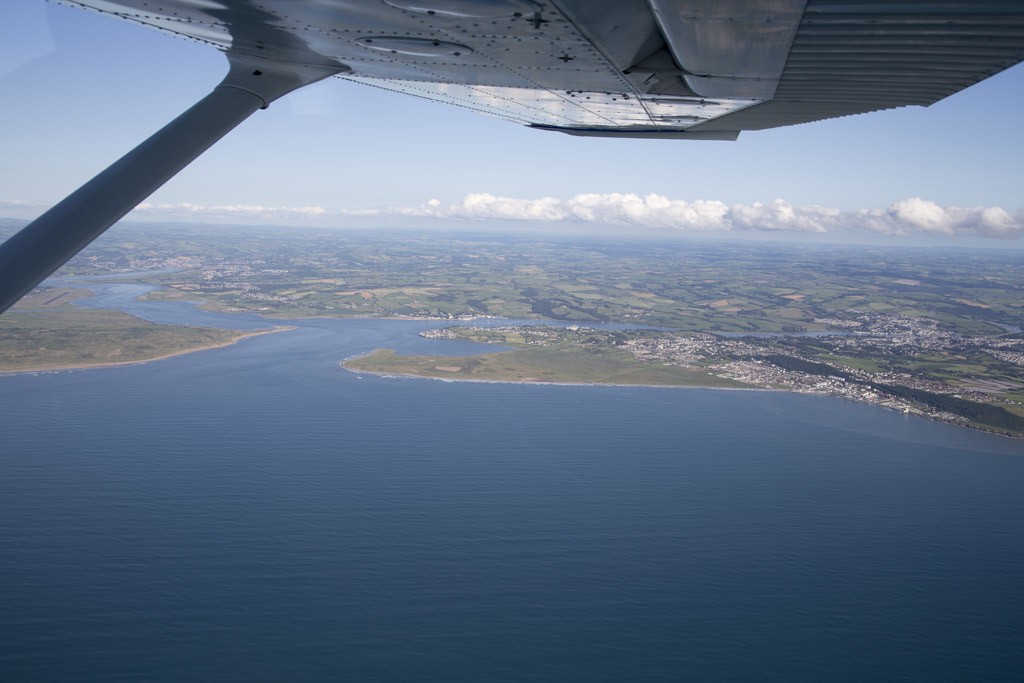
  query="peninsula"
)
[
  {"x": 47, "y": 332},
  {"x": 580, "y": 355}
]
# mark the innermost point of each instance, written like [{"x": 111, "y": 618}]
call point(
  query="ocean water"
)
[{"x": 256, "y": 513}]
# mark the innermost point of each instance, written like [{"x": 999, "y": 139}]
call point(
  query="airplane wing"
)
[
  {"x": 665, "y": 69},
  {"x": 654, "y": 68}
]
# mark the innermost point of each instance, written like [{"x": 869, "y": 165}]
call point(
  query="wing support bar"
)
[{"x": 45, "y": 244}]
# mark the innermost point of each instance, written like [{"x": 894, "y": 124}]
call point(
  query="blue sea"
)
[{"x": 257, "y": 513}]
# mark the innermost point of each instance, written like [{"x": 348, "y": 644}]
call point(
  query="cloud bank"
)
[
  {"x": 231, "y": 210},
  {"x": 914, "y": 216},
  {"x": 904, "y": 218}
]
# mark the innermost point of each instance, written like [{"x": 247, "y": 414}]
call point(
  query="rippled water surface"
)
[{"x": 257, "y": 513}]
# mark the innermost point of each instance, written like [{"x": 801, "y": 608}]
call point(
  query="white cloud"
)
[
  {"x": 649, "y": 211},
  {"x": 991, "y": 221},
  {"x": 916, "y": 215},
  {"x": 923, "y": 215},
  {"x": 781, "y": 215},
  {"x": 488, "y": 207},
  {"x": 20, "y": 204},
  {"x": 905, "y": 217},
  {"x": 231, "y": 210}
]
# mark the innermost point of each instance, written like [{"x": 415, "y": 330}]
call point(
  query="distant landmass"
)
[{"x": 931, "y": 331}]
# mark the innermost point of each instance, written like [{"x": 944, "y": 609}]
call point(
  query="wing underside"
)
[{"x": 647, "y": 68}]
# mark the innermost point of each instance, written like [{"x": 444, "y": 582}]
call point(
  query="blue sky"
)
[{"x": 79, "y": 90}]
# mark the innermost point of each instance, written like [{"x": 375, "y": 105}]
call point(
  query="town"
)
[{"x": 831, "y": 363}]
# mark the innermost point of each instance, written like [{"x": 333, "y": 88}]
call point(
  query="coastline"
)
[
  {"x": 395, "y": 375},
  {"x": 112, "y": 364}
]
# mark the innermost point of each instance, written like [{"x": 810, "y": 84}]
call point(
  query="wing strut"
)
[{"x": 45, "y": 244}]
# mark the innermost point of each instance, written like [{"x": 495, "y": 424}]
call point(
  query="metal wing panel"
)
[
  {"x": 730, "y": 48},
  {"x": 600, "y": 66},
  {"x": 538, "y": 68},
  {"x": 856, "y": 57},
  {"x": 523, "y": 105}
]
